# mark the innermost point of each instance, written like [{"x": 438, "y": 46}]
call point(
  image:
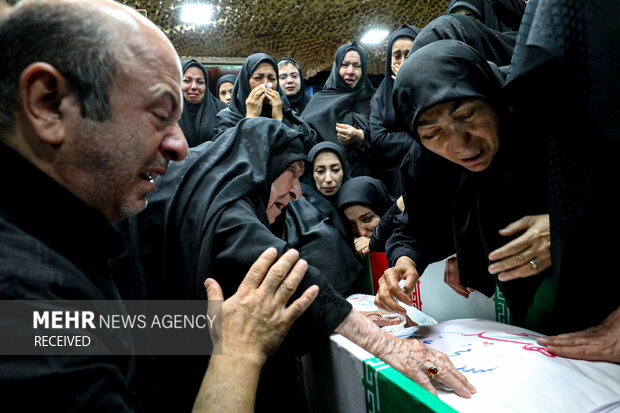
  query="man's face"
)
[
  {"x": 112, "y": 164},
  {"x": 284, "y": 189}
]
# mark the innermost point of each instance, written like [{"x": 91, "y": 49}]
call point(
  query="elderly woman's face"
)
[
  {"x": 194, "y": 85},
  {"x": 284, "y": 189},
  {"x": 264, "y": 74},
  {"x": 462, "y": 131},
  {"x": 327, "y": 173},
  {"x": 289, "y": 79},
  {"x": 226, "y": 92},
  {"x": 363, "y": 220},
  {"x": 351, "y": 68}
]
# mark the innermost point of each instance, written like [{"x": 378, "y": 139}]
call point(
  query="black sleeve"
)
[
  {"x": 240, "y": 238},
  {"x": 384, "y": 230},
  {"x": 387, "y": 147},
  {"x": 424, "y": 232},
  {"x": 310, "y": 136},
  {"x": 58, "y": 383},
  {"x": 226, "y": 119}
]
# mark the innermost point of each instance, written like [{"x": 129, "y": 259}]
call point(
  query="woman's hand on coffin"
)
[{"x": 596, "y": 343}]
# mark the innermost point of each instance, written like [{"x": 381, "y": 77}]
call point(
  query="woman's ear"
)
[{"x": 48, "y": 102}]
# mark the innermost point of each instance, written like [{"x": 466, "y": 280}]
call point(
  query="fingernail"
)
[
  {"x": 208, "y": 283},
  {"x": 293, "y": 252}
]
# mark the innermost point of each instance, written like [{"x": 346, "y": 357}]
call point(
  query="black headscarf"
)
[
  {"x": 495, "y": 46},
  {"x": 364, "y": 190},
  {"x": 501, "y": 15},
  {"x": 482, "y": 202},
  {"x": 198, "y": 120},
  {"x": 339, "y": 151},
  {"x": 300, "y": 99},
  {"x": 384, "y": 91},
  {"x": 465, "y": 74},
  {"x": 388, "y": 146},
  {"x": 565, "y": 70},
  {"x": 236, "y": 111},
  {"x": 340, "y": 103},
  {"x": 226, "y": 78}
]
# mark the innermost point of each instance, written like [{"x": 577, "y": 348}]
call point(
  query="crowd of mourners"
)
[{"x": 490, "y": 143}]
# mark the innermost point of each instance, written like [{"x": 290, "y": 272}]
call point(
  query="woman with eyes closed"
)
[
  {"x": 257, "y": 93},
  {"x": 389, "y": 146},
  {"x": 224, "y": 86},
  {"x": 475, "y": 185},
  {"x": 200, "y": 107},
  {"x": 313, "y": 224},
  {"x": 340, "y": 112}
]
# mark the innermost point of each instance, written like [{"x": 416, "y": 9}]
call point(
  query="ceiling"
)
[{"x": 307, "y": 30}]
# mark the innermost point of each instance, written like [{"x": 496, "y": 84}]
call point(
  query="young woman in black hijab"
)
[
  {"x": 224, "y": 86},
  {"x": 388, "y": 147},
  {"x": 364, "y": 201},
  {"x": 200, "y": 107},
  {"x": 340, "y": 112},
  {"x": 257, "y": 93},
  {"x": 563, "y": 77},
  {"x": 475, "y": 184},
  {"x": 313, "y": 225},
  {"x": 292, "y": 82},
  {"x": 500, "y": 15}
]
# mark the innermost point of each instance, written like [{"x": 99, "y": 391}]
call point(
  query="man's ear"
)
[{"x": 48, "y": 101}]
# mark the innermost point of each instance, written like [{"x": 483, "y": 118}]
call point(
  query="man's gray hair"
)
[{"x": 72, "y": 39}]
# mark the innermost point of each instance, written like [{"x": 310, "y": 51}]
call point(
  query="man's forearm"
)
[{"x": 229, "y": 385}]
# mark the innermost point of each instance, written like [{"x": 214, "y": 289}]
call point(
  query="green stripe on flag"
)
[{"x": 387, "y": 390}]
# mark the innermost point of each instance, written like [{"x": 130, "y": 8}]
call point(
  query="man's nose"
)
[{"x": 174, "y": 145}]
